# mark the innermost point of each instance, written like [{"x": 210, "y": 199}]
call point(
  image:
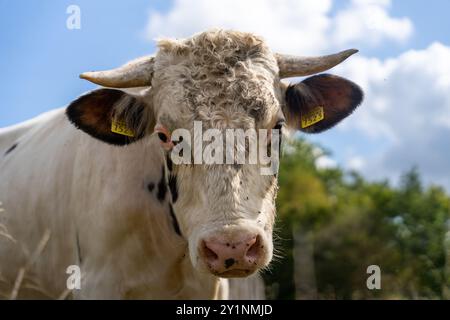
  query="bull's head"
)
[{"x": 225, "y": 80}]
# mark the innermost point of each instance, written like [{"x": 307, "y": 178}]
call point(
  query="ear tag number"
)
[
  {"x": 312, "y": 117},
  {"x": 120, "y": 127}
]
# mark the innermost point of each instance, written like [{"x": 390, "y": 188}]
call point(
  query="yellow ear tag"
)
[
  {"x": 120, "y": 127},
  {"x": 312, "y": 117}
]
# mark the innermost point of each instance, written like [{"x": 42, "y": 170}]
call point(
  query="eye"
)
[
  {"x": 279, "y": 126},
  {"x": 163, "y": 137}
]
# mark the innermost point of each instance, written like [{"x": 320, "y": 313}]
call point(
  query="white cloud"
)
[
  {"x": 369, "y": 20},
  {"x": 356, "y": 163},
  {"x": 407, "y": 106},
  {"x": 325, "y": 162},
  {"x": 291, "y": 26}
]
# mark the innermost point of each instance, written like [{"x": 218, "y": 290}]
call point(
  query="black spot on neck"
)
[
  {"x": 80, "y": 260},
  {"x": 169, "y": 162},
  {"x": 173, "y": 187},
  {"x": 175, "y": 224},
  {"x": 162, "y": 187},
  {"x": 11, "y": 148},
  {"x": 151, "y": 187}
]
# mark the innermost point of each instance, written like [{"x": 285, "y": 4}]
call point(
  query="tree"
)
[{"x": 342, "y": 224}]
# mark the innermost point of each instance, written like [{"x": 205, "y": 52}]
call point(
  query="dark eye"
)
[
  {"x": 279, "y": 125},
  {"x": 163, "y": 137}
]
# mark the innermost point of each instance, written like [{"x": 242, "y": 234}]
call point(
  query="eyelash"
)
[{"x": 279, "y": 125}]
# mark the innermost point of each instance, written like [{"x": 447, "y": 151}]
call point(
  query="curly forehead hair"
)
[
  {"x": 225, "y": 73},
  {"x": 220, "y": 47}
]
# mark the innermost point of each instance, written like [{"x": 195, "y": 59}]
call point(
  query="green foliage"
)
[{"x": 354, "y": 223}]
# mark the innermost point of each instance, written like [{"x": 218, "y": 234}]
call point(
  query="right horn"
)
[
  {"x": 137, "y": 73},
  {"x": 294, "y": 66}
]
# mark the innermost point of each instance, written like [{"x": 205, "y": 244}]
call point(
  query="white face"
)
[{"x": 226, "y": 211}]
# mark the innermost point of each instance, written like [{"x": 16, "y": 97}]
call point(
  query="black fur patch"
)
[
  {"x": 162, "y": 187},
  {"x": 80, "y": 260},
  {"x": 173, "y": 187},
  {"x": 176, "y": 226},
  {"x": 151, "y": 186},
  {"x": 93, "y": 114},
  {"x": 169, "y": 162},
  {"x": 11, "y": 148}
]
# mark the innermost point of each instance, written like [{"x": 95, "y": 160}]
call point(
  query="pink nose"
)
[{"x": 233, "y": 258}]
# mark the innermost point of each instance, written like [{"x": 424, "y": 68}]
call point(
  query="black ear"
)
[
  {"x": 112, "y": 116},
  {"x": 320, "y": 102}
]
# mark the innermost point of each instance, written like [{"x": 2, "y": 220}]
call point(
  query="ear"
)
[
  {"x": 320, "y": 102},
  {"x": 112, "y": 116}
]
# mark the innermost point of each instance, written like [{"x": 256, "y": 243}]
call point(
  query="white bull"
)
[{"x": 114, "y": 204}]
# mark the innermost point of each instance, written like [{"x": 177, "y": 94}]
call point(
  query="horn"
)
[
  {"x": 136, "y": 73},
  {"x": 293, "y": 66}
]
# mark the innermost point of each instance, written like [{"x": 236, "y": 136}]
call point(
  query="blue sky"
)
[{"x": 40, "y": 60}]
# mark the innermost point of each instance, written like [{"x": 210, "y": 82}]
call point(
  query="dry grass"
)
[
  {"x": 30, "y": 262},
  {"x": 22, "y": 280}
]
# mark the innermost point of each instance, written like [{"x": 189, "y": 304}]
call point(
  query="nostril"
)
[
  {"x": 254, "y": 248},
  {"x": 208, "y": 253}
]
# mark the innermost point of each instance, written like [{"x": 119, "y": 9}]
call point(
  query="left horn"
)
[
  {"x": 293, "y": 66},
  {"x": 136, "y": 73}
]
